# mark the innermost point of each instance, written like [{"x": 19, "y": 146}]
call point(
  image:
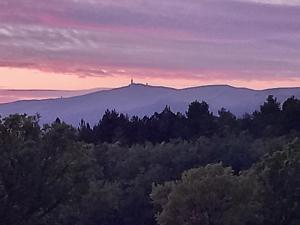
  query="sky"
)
[{"x": 82, "y": 44}]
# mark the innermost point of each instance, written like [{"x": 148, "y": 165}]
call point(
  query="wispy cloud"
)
[
  {"x": 278, "y": 2},
  {"x": 232, "y": 39}
]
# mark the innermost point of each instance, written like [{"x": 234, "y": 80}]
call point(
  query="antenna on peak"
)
[{"x": 131, "y": 81}]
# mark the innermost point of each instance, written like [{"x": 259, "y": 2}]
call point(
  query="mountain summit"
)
[{"x": 140, "y": 99}]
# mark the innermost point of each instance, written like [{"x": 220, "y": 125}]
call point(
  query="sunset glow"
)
[
  {"x": 74, "y": 45},
  {"x": 34, "y": 79}
]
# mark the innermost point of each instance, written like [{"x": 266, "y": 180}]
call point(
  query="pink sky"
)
[
  {"x": 74, "y": 45},
  {"x": 16, "y": 78}
]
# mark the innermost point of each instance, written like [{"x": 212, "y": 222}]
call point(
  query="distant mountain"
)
[
  {"x": 138, "y": 99},
  {"x": 12, "y": 95}
]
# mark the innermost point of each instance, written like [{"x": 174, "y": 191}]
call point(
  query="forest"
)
[{"x": 170, "y": 168}]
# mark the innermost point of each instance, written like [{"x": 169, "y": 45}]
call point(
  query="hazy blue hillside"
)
[
  {"x": 138, "y": 99},
  {"x": 12, "y": 95}
]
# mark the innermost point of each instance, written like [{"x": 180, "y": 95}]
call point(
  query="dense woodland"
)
[{"x": 168, "y": 169}]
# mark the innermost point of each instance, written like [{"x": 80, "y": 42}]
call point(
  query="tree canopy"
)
[{"x": 168, "y": 168}]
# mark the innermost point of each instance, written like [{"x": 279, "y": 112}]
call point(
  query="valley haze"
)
[{"x": 141, "y": 100}]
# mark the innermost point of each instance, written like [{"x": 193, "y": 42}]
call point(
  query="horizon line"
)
[{"x": 147, "y": 85}]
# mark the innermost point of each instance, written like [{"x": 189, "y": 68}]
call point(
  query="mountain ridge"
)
[
  {"x": 140, "y": 100},
  {"x": 13, "y": 95}
]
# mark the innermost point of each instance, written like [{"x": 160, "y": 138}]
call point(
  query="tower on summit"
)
[{"x": 131, "y": 81}]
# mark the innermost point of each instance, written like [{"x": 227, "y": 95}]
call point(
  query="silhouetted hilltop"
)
[{"x": 140, "y": 99}]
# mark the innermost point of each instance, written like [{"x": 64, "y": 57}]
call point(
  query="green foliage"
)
[
  {"x": 269, "y": 194},
  {"x": 226, "y": 121},
  {"x": 279, "y": 176},
  {"x": 200, "y": 120},
  {"x": 204, "y": 196},
  {"x": 291, "y": 112},
  {"x": 270, "y": 121},
  {"x": 246, "y": 173},
  {"x": 40, "y": 170}
]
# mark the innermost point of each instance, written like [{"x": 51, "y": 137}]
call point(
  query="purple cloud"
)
[{"x": 244, "y": 39}]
